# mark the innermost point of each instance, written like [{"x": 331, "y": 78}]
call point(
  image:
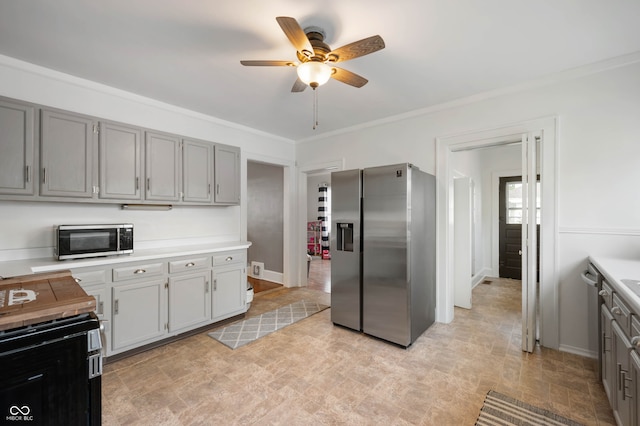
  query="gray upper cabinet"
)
[
  {"x": 120, "y": 161},
  {"x": 227, "y": 174},
  {"x": 162, "y": 154},
  {"x": 67, "y": 144},
  {"x": 47, "y": 154},
  {"x": 197, "y": 171},
  {"x": 17, "y": 144}
]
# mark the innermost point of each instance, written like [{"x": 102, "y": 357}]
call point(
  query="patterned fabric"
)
[
  {"x": 323, "y": 212},
  {"x": 246, "y": 331},
  {"x": 503, "y": 410}
]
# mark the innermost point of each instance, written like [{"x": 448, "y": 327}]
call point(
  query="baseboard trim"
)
[
  {"x": 578, "y": 351},
  {"x": 274, "y": 277}
]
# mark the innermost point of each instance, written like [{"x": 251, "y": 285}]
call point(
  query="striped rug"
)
[{"x": 502, "y": 410}]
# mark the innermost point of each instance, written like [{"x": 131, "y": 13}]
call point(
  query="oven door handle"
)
[{"x": 586, "y": 278}]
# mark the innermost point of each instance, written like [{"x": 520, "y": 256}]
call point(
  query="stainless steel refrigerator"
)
[{"x": 383, "y": 257}]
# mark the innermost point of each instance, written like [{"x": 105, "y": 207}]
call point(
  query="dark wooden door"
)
[{"x": 510, "y": 232}]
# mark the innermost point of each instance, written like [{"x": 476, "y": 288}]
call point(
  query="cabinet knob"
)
[
  {"x": 229, "y": 259},
  {"x": 77, "y": 280},
  {"x": 635, "y": 341}
]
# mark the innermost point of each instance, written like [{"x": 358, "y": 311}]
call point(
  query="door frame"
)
[{"x": 445, "y": 145}]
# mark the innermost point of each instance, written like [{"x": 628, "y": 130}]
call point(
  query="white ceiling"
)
[{"x": 187, "y": 52}]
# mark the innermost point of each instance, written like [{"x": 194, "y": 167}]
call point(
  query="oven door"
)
[
  {"x": 48, "y": 384},
  {"x": 78, "y": 242}
]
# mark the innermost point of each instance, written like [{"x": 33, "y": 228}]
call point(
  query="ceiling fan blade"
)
[
  {"x": 296, "y": 35},
  {"x": 348, "y": 77},
  {"x": 298, "y": 86},
  {"x": 268, "y": 63},
  {"x": 357, "y": 49}
]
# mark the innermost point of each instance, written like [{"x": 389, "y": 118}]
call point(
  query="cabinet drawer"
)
[
  {"x": 622, "y": 314},
  {"x": 90, "y": 277},
  {"x": 189, "y": 264},
  {"x": 138, "y": 271},
  {"x": 228, "y": 258},
  {"x": 607, "y": 294}
]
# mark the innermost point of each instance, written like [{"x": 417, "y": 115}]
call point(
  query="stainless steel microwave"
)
[{"x": 80, "y": 241}]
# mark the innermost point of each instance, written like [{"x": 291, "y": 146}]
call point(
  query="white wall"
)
[
  {"x": 25, "y": 227},
  {"x": 597, "y": 165}
]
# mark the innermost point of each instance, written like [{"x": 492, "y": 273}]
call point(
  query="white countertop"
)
[
  {"x": 616, "y": 270},
  {"x": 28, "y": 266}
]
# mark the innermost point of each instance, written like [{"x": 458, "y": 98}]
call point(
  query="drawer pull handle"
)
[
  {"x": 603, "y": 293},
  {"x": 78, "y": 280},
  {"x": 616, "y": 310},
  {"x": 139, "y": 271},
  {"x": 189, "y": 265},
  {"x": 635, "y": 341},
  {"x": 229, "y": 259}
]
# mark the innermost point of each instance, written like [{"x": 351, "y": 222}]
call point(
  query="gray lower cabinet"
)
[
  {"x": 189, "y": 293},
  {"x": 227, "y": 174},
  {"x": 624, "y": 387},
  {"x": 120, "y": 149},
  {"x": 619, "y": 356},
  {"x": 139, "y": 313},
  {"x": 162, "y": 167},
  {"x": 608, "y": 366},
  {"x": 66, "y": 154},
  {"x": 145, "y": 302},
  {"x": 229, "y": 285},
  {"x": 189, "y": 301},
  {"x": 17, "y": 148}
]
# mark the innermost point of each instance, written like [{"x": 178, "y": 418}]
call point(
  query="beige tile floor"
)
[{"x": 314, "y": 373}]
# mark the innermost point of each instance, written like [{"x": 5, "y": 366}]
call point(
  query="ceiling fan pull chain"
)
[{"x": 315, "y": 108}]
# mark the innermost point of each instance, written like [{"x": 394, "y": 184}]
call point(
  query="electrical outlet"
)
[{"x": 257, "y": 269}]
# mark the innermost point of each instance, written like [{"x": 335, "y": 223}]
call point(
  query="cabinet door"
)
[
  {"x": 623, "y": 378},
  {"x": 66, "y": 155},
  {"x": 162, "y": 154},
  {"x": 635, "y": 369},
  {"x": 17, "y": 143},
  {"x": 197, "y": 165},
  {"x": 229, "y": 292},
  {"x": 608, "y": 366},
  {"x": 227, "y": 174},
  {"x": 138, "y": 313},
  {"x": 120, "y": 161},
  {"x": 189, "y": 301}
]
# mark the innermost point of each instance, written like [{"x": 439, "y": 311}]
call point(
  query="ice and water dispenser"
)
[{"x": 345, "y": 237}]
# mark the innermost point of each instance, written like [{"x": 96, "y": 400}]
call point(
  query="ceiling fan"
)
[{"x": 316, "y": 59}]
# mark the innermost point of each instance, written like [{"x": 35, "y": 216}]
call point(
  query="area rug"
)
[
  {"x": 246, "y": 331},
  {"x": 503, "y": 410}
]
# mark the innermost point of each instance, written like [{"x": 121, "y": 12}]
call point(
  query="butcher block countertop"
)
[{"x": 34, "y": 298}]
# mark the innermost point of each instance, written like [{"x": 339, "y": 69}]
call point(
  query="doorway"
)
[
  {"x": 445, "y": 146},
  {"x": 510, "y": 227},
  {"x": 314, "y": 272}
]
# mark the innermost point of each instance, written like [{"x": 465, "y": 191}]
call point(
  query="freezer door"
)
[
  {"x": 346, "y": 249},
  {"x": 386, "y": 293}
]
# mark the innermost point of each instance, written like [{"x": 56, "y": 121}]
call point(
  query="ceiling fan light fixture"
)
[{"x": 314, "y": 73}]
